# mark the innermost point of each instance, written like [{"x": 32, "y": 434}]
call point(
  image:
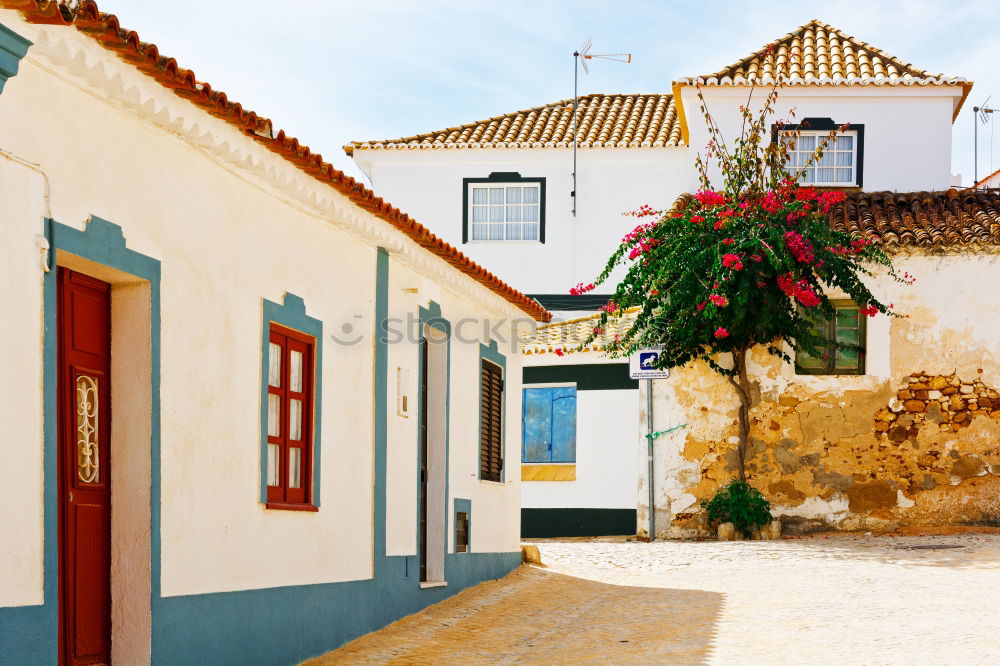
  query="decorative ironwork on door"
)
[{"x": 87, "y": 447}]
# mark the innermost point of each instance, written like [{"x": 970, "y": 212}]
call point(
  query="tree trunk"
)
[{"x": 742, "y": 385}]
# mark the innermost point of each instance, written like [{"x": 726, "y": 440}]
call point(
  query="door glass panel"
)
[
  {"x": 274, "y": 365},
  {"x": 294, "y": 467},
  {"x": 273, "y": 464},
  {"x": 87, "y": 460},
  {"x": 273, "y": 415},
  {"x": 295, "y": 419},
  {"x": 295, "y": 371}
]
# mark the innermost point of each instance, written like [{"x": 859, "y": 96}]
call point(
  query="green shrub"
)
[{"x": 741, "y": 504}]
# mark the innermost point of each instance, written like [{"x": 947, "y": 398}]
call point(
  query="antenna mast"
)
[
  {"x": 580, "y": 57},
  {"x": 978, "y": 114}
]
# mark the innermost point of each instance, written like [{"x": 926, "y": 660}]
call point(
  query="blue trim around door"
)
[
  {"x": 431, "y": 316},
  {"x": 29, "y": 634}
]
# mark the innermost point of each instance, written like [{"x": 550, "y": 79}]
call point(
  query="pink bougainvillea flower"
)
[
  {"x": 757, "y": 258},
  {"x": 771, "y": 202},
  {"x": 869, "y": 311},
  {"x": 708, "y": 198},
  {"x": 800, "y": 247},
  {"x": 828, "y": 200},
  {"x": 701, "y": 306},
  {"x": 732, "y": 261},
  {"x": 800, "y": 290},
  {"x": 581, "y": 289},
  {"x": 720, "y": 301},
  {"x": 697, "y": 219},
  {"x": 806, "y": 193},
  {"x": 728, "y": 241},
  {"x": 721, "y": 333},
  {"x": 559, "y": 351}
]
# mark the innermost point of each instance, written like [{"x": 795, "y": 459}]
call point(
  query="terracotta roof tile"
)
[
  {"x": 623, "y": 121},
  {"x": 817, "y": 53},
  {"x": 932, "y": 220},
  {"x": 105, "y": 29},
  {"x": 568, "y": 336}
]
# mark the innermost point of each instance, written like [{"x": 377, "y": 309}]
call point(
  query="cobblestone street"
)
[{"x": 847, "y": 599}]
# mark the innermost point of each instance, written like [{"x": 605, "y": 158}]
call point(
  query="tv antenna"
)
[
  {"x": 980, "y": 114},
  {"x": 580, "y": 57}
]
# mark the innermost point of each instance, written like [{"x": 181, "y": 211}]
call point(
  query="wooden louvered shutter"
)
[{"x": 490, "y": 422}]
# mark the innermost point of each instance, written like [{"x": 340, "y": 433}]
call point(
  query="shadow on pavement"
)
[{"x": 539, "y": 616}]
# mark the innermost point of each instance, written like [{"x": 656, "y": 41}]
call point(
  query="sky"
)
[{"x": 332, "y": 71}]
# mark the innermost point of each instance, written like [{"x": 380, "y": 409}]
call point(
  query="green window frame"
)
[{"x": 847, "y": 327}]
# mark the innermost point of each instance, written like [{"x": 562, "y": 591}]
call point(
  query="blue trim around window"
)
[
  {"x": 492, "y": 353},
  {"x": 291, "y": 314},
  {"x": 13, "y": 47},
  {"x": 463, "y": 506},
  {"x": 504, "y": 177}
]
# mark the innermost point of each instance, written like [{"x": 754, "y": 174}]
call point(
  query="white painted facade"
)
[
  {"x": 907, "y": 129},
  {"x": 85, "y": 134},
  {"x": 610, "y": 182}
]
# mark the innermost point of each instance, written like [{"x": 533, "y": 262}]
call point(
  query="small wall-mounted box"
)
[{"x": 404, "y": 399}]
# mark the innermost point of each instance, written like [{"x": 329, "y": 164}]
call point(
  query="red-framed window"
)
[{"x": 290, "y": 407}]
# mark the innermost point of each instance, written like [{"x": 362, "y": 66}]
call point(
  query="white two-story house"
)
[{"x": 502, "y": 190}]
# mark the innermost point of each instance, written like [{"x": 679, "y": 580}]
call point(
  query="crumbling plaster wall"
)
[{"x": 914, "y": 441}]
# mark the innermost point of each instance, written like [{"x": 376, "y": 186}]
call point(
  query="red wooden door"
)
[{"x": 84, "y": 322}]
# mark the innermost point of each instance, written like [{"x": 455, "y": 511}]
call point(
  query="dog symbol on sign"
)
[{"x": 648, "y": 359}]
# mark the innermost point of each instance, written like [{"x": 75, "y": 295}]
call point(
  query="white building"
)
[
  {"x": 245, "y": 419},
  {"x": 482, "y": 180}
]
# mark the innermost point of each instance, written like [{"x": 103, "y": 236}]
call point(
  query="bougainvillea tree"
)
[{"x": 746, "y": 264}]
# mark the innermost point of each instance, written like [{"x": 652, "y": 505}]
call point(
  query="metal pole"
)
[
  {"x": 975, "y": 146},
  {"x": 649, "y": 458},
  {"x": 576, "y": 76}
]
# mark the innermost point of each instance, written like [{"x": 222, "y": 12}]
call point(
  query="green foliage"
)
[{"x": 742, "y": 505}]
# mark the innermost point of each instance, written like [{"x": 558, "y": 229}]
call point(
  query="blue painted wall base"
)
[{"x": 288, "y": 624}]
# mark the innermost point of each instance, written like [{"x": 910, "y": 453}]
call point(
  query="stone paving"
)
[{"x": 843, "y": 599}]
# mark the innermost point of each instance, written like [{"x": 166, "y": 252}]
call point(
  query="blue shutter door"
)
[
  {"x": 563, "y": 424},
  {"x": 536, "y": 426}
]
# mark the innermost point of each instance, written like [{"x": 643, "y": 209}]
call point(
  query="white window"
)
[
  {"x": 504, "y": 211},
  {"x": 837, "y": 166}
]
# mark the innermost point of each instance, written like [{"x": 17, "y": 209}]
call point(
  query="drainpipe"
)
[
  {"x": 41, "y": 240},
  {"x": 649, "y": 458}
]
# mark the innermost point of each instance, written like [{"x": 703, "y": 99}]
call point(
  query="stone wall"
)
[{"x": 915, "y": 441}]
